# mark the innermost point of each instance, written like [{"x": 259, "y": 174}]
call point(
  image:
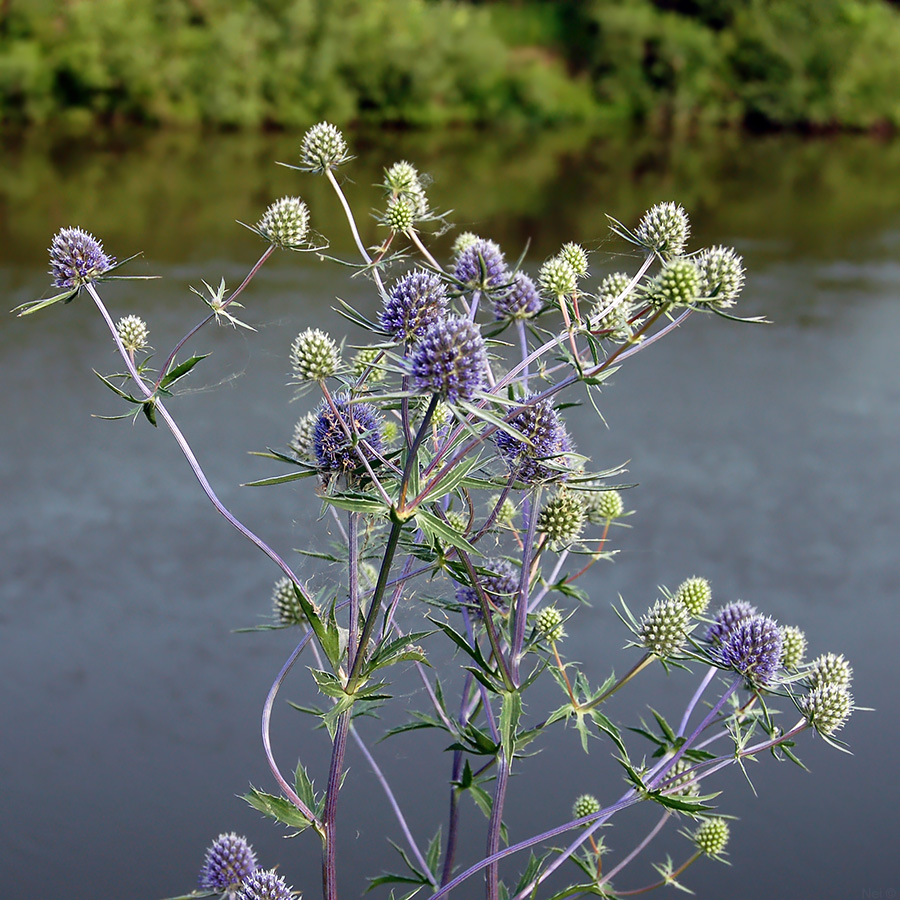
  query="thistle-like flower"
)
[
  {"x": 500, "y": 586},
  {"x": 336, "y": 449},
  {"x": 133, "y": 333},
  {"x": 265, "y": 885},
  {"x": 521, "y": 301},
  {"x": 664, "y": 627},
  {"x": 727, "y": 619},
  {"x": 827, "y": 707},
  {"x": 557, "y": 278},
  {"x": 414, "y": 303},
  {"x": 301, "y": 443},
  {"x": 507, "y": 512},
  {"x": 695, "y": 593},
  {"x": 664, "y": 228},
  {"x": 721, "y": 276},
  {"x": 450, "y": 360},
  {"x": 576, "y": 257},
  {"x": 77, "y": 258},
  {"x": 793, "y": 646},
  {"x": 285, "y": 223},
  {"x": 402, "y": 177},
  {"x": 229, "y": 862},
  {"x": 285, "y": 604},
  {"x": 323, "y": 148},
  {"x": 549, "y": 624},
  {"x": 400, "y": 213},
  {"x": 613, "y": 287},
  {"x": 678, "y": 284},
  {"x": 482, "y": 266},
  {"x": 753, "y": 648},
  {"x": 545, "y": 441},
  {"x": 603, "y": 506},
  {"x": 562, "y": 519},
  {"x": 830, "y": 668},
  {"x": 711, "y": 837},
  {"x": 585, "y": 805},
  {"x": 314, "y": 356}
]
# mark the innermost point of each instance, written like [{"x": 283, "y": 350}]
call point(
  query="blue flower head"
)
[
  {"x": 334, "y": 449},
  {"x": 450, "y": 360},
  {"x": 727, "y": 619},
  {"x": 752, "y": 648},
  {"x": 500, "y": 587},
  {"x": 229, "y": 861},
  {"x": 77, "y": 258},
  {"x": 265, "y": 885},
  {"x": 521, "y": 301},
  {"x": 415, "y": 302},
  {"x": 481, "y": 266},
  {"x": 540, "y": 423}
]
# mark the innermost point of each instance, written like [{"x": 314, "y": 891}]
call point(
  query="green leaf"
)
[
  {"x": 452, "y": 480},
  {"x": 305, "y": 790},
  {"x": 434, "y": 527},
  {"x": 433, "y": 854},
  {"x": 361, "y": 503},
  {"x": 326, "y": 632},
  {"x": 473, "y": 650},
  {"x": 280, "y": 479},
  {"x": 180, "y": 371},
  {"x": 277, "y": 808},
  {"x": 33, "y": 306},
  {"x": 148, "y": 408}
]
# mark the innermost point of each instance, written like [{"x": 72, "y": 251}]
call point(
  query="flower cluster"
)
[{"x": 77, "y": 258}]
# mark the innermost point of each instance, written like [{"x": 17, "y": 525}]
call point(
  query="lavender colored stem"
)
[{"x": 696, "y": 698}]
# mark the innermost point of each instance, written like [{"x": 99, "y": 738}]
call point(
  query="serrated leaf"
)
[
  {"x": 360, "y": 504},
  {"x": 180, "y": 371},
  {"x": 433, "y": 854},
  {"x": 434, "y": 527},
  {"x": 277, "y": 808}
]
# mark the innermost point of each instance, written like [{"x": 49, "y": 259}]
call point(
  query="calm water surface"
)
[{"x": 766, "y": 459}]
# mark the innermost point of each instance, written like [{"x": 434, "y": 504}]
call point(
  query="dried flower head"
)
[
  {"x": 721, "y": 276},
  {"x": 549, "y": 624},
  {"x": 695, "y": 593},
  {"x": 323, "y": 148},
  {"x": 545, "y": 441},
  {"x": 414, "y": 303},
  {"x": 521, "y": 301},
  {"x": 585, "y": 805},
  {"x": 77, "y": 258},
  {"x": 562, "y": 518},
  {"x": 557, "y": 278},
  {"x": 664, "y": 228},
  {"x": 339, "y": 441},
  {"x": 229, "y": 862},
  {"x": 752, "y": 648},
  {"x": 711, "y": 837},
  {"x": 285, "y": 604},
  {"x": 133, "y": 333},
  {"x": 314, "y": 356},
  {"x": 482, "y": 266},
  {"x": 830, "y": 668},
  {"x": 793, "y": 646},
  {"x": 827, "y": 707},
  {"x": 285, "y": 223},
  {"x": 265, "y": 885},
  {"x": 450, "y": 360},
  {"x": 664, "y": 627}
]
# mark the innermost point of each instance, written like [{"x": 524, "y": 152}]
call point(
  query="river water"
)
[{"x": 765, "y": 458}]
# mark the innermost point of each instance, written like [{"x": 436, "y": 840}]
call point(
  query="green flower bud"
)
[
  {"x": 664, "y": 627},
  {"x": 677, "y": 284},
  {"x": 463, "y": 242},
  {"x": 390, "y": 431},
  {"x": 457, "y": 520},
  {"x": 549, "y": 624},
  {"x": 827, "y": 707},
  {"x": 301, "y": 444},
  {"x": 400, "y": 213},
  {"x": 721, "y": 276},
  {"x": 562, "y": 519},
  {"x": 507, "y": 512},
  {"x": 323, "y": 148},
  {"x": 285, "y": 603},
  {"x": 402, "y": 177},
  {"x": 557, "y": 278},
  {"x": 664, "y": 229},
  {"x": 695, "y": 593},
  {"x": 602, "y": 506},
  {"x": 576, "y": 257},
  {"x": 285, "y": 223},
  {"x": 365, "y": 358},
  {"x": 793, "y": 646},
  {"x": 684, "y": 783},
  {"x": 832, "y": 669},
  {"x": 712, "y": 836},
  {"x": 585, "y": 805},
  {"x": 133, "y": 333},
  {"x": 314, "y": 356},
  {"x": 614, "y": 286}
]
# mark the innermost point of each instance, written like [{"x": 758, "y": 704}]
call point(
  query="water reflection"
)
[{"x": 765, "y": 458}]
